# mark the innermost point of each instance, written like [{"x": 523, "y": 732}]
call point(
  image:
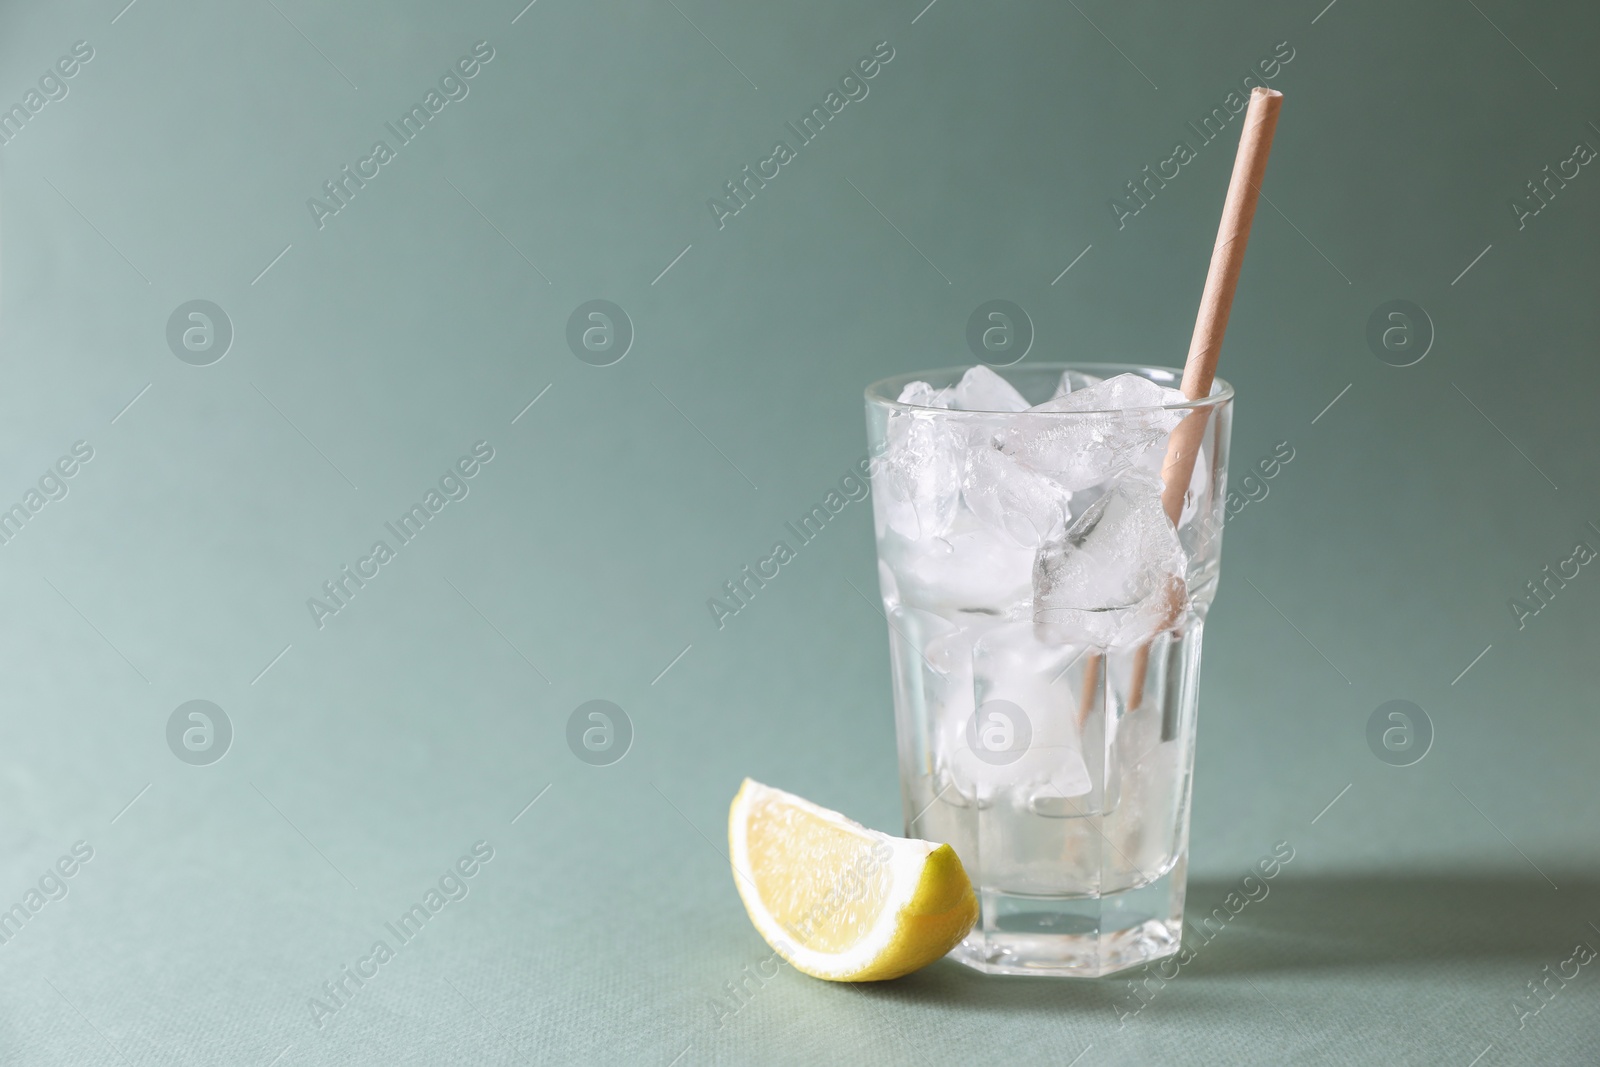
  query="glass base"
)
[{"x": 1076, "y": 937}]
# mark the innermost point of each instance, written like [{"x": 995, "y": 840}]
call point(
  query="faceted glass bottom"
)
[{"x": 1076, "y": 937}]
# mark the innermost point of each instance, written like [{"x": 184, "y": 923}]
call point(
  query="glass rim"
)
[{"x": 886, "y": 391}]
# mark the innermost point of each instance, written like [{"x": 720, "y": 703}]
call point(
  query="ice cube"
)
[
  {"x": 948, "y": 657},
  {"x": 951, "y": 704},
  {"x": 1012, "y": 664},
  {"x": 973, "y": 568},
  {"x": 1001, "y": 492},
  {"x": 981, "y": 389},
  {"x": 887, "y": 586},
  {"x": 1114, "y": 394},
  {"x": 924, "y": 395},
  {"x": 1085, "y": 450},
  {"x": 917, "y": 481},
  {"x": 1017, "y": 734},
  {"x": 1113, "y": 577},
  {"x": 1073, "y": 379},
  {"x": 933, "y": 656}
]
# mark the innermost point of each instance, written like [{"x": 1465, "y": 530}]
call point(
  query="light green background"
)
[{"x": 423, "y": 717}]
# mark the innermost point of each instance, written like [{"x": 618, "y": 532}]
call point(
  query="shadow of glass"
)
[{"x": 1318, "y": 923}]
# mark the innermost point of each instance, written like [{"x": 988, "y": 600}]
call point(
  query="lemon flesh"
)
[{"x": 837, "y": 900}]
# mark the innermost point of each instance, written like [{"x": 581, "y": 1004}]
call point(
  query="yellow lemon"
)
[{"x": 840, "y": 901}]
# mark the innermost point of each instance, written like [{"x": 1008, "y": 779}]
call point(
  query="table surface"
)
[{"x": 360, "y": 342}]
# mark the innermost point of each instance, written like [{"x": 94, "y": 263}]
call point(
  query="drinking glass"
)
[{"x": 1045, "y": 629}]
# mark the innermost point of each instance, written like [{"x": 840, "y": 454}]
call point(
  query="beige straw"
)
[
  {"x": 1216, "y": 301},
  {"x": 1238, "y": 211}
]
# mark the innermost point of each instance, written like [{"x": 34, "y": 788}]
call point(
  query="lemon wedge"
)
[{"x": 837, "y": 900}]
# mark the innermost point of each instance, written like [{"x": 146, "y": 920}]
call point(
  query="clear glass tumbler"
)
[{"x": 1045, "y": 617}]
